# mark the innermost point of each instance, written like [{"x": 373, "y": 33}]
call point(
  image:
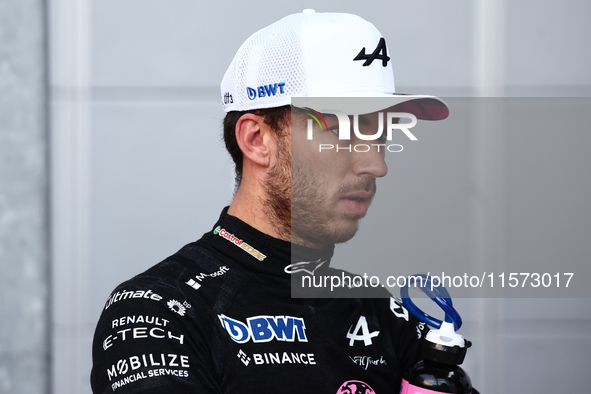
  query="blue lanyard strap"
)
[{"x": 438, "y": 294}]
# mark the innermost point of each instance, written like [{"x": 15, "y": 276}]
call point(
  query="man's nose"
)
[{"x": 371, "y": 162}]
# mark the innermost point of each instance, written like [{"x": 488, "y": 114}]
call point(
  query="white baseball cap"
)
[{"x": 317, "y": 55}]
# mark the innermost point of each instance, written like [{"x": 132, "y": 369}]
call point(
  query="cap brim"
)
[{"x": 422, "y": 106}]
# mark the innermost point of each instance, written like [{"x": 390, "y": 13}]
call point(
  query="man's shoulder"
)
[
  {"x": 189, "y": 282},
  {"x": 166, "y": 274},
  {"x": 160, "y": 317}
]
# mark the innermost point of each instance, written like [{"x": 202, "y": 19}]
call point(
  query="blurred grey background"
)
[{"x": 111, "y": 160}]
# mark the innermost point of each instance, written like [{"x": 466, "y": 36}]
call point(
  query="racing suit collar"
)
[{"x": 261, "y": 252}]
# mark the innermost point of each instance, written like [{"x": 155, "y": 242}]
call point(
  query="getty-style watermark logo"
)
[{"x": 392, "y": 124}]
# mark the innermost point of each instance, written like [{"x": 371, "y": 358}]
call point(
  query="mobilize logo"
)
[
  {"x": 240, "y": 243},
  {"x": 344, "y": 130},
  {"x": 265, "y": 90},
  {"x": 161, "y": 364},
  {"x": 265, "y": 328},
  {"x": 194, "y": 283}
]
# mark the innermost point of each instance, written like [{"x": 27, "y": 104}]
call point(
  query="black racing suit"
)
[{"x": 218, "y": 317}]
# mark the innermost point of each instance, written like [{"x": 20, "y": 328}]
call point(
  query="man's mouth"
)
[{"x": 357, "y": 203}]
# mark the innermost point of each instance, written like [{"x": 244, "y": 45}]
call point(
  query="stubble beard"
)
[
  {"x": 313, "y": 220},
  {"x": 297, "y": 204},
  {"x": 276, "y": 201}
]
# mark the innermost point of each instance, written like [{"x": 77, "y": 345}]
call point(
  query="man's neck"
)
[{"x": 248, "y": 208}]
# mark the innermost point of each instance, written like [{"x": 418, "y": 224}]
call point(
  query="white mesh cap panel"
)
[
  {"x": 311, "y": 55},
  {"x": 267, "y": 69}
]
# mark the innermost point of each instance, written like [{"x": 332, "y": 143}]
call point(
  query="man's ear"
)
[{"x": 255, "y": 139}]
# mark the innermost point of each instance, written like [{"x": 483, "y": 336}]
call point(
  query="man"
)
[{"x": 217, "y": 316}]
